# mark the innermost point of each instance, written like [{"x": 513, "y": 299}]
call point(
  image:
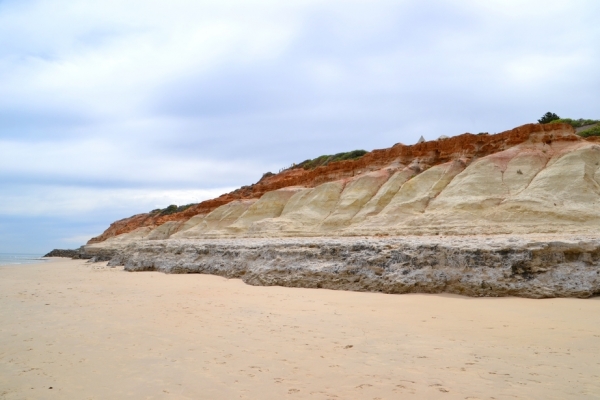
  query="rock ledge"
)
[{"x": 524, "y": 266}]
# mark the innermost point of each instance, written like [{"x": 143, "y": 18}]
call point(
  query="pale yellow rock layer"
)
[
  {"x": 218, "y": 219},
  {"x": 164, "y": 231},
  {"x": 270, "y": 205},
  {"x": 356, "y": 194},
  {"x": 383, "y": 197},
  {"x": 190, "y": 223}
]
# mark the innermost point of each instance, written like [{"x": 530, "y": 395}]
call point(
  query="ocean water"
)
[{"x": 20, "y": 258}]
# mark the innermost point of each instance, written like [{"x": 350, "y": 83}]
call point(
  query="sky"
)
[{"x": 114, "y": 108}]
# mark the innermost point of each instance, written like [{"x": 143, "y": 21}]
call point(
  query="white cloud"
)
[
  {"x": 77, "y": 240},
  {"x": 537, "y": 70},
  {"x": 103, "y": 162},
  {"x": 56, "y": 201},
  {"x": 105, "y": 58}
]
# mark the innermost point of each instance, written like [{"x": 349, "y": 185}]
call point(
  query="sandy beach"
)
[{"x": 74, "y": 330}]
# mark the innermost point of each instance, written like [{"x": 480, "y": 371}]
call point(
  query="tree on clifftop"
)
[{"x": 548, "y": 117}]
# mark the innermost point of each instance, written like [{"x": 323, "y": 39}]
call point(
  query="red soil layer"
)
[{"x": 465, "y": 146}]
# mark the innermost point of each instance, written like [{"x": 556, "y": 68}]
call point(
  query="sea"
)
[{"x": 20, "y": 258}]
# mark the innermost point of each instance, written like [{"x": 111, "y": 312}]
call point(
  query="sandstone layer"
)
[
  {"x": 500, "y": 178},
  {"x": 548, "y": 182}
]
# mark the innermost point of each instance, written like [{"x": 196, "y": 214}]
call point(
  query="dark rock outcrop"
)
[
  {"x": 499, "y": 266},
  {"x": 81, "y": 254},
  {"x": 75, "y": 254}
]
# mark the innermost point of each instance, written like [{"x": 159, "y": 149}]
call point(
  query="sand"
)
[{"x": 71, "y": 330}]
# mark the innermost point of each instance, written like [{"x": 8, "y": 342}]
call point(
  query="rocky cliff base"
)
[
  {"x": 94, "y": 255},
  {"x": 74, "y": 254},
  {"x": 525, "y": 266}
]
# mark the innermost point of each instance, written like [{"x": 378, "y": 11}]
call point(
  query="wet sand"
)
[{"x": 88, "y": 331}]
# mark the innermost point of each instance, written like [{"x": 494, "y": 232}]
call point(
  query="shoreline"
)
[{"x": 91, "y": 331}]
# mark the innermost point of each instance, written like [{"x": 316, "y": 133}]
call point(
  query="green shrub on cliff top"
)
[
  {"x": 172, "y": 209},
  {"x": 576, "y": 123},
  {"x": 326, "y": 159},
  {"x": 548, "y": 117},
  {"x": 169, "y": 210},
  {"x": 595, "y": 131}
]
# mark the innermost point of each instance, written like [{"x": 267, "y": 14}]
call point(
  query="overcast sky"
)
[{"x": 112, "y": 108}]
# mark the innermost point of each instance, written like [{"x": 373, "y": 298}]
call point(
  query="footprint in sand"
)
[
  {"x": 438, "y": 386},
  {"x": 363, "y": 386},
  {"x": 405, "y": 387}
]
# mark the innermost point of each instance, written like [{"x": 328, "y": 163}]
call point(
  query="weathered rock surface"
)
[
  {"x": 95, "y": 255},
  {"x": 525, "y": 266},
  {"x": 63, "y": 253}
]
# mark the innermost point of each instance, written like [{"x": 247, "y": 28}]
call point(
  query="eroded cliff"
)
[
  {"x": 387, "y": 169},
  {"x": 533, "y": 179},
  {"x": 328, "y": 227}
]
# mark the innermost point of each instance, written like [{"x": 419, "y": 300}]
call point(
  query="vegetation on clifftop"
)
[
  {"x": 576, "y": 123},
  {"x": 326, "y": 159},
  {"x": 172, "y": 209},
  {"x": 594, "y": 124},
  {"x": 594, "y": 131},
  {"x": 548, "y": 117}
]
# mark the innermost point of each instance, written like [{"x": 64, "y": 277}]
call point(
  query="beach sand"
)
[{"x": 72, "y": 330}]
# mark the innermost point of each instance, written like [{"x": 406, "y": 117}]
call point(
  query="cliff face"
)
[
  {"x": 385, "y": 169},
  {"x": 130, "y": 224},
  {"x": 521, "y": 208}
]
